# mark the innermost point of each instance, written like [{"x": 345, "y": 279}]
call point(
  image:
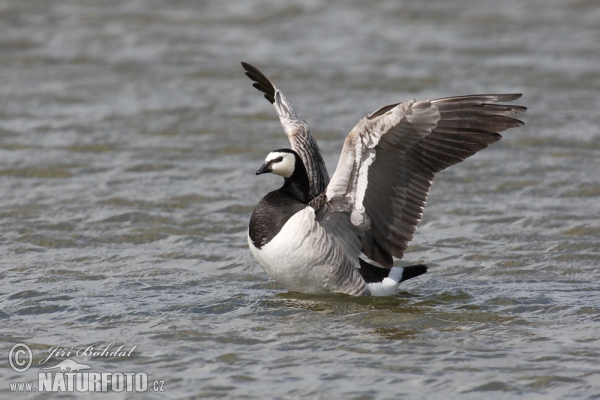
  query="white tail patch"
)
[{"x": 388, "y": 286}]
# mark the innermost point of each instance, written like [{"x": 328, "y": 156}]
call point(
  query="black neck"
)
[{"x": 298, "y": 185}]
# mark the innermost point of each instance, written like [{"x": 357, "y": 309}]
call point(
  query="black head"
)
[{"x": 287, "y": 163}]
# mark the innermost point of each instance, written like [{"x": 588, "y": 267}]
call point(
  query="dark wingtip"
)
[
  {"x": 413, "y": 271},
  {"x": 509, "y": 96},
  {"x": 262, "y": 83}
]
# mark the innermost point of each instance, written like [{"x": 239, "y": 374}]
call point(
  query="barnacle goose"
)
[{"x": 313, "y": 236}]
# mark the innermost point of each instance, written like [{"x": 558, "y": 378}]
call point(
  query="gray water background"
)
[{"x": 129, "y": 137}]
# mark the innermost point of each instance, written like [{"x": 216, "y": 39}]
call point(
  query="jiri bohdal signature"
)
[{"x": 90, "y": 351}]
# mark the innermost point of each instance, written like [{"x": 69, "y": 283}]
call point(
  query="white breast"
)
[
  {"x": 291, "y": 257},
  {"x": 304, "y": 258}
]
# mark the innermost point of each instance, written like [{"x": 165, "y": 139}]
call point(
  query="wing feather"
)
[
  {"x": 296, "y": 130},
  {"x": 389, "y": 161}
]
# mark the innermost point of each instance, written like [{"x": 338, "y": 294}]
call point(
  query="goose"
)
[{"x": 344, "y": 239}]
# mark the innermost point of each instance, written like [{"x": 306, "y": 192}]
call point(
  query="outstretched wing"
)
[
  {"x": 389, "y": 160},
  {"x": 296, "y": 130}
]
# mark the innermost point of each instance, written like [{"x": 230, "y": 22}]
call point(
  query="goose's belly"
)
[{"x": 293, "y": 258}]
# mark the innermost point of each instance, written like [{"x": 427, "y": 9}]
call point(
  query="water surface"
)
[{"x": 129, "y": 137}]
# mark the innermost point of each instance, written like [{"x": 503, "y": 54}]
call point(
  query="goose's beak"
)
[{"x": 266, "y": 168}]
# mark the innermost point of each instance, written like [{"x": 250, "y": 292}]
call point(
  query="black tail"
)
[
  {"x": 413, "y": 271},
  {"x": 372, "y": 273}
]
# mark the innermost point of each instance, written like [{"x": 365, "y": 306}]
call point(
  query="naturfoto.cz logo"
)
[{"x": 69, "y": 375}]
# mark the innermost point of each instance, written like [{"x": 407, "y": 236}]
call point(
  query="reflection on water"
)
[{"x": 128, "y": 140}]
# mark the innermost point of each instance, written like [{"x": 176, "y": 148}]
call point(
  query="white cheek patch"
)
[{"x": 284, "y": 167}]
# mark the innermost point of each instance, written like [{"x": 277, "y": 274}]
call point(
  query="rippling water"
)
[{"x": 129, "y": 137}]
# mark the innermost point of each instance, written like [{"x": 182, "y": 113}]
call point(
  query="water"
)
[{"x": 129, "y": 137}]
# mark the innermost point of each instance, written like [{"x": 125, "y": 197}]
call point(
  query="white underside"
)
[
  {"x": 291, "y": 257},
  {"x": 302, "y": 257}
]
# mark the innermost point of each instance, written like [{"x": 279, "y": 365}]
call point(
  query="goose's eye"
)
[{"x": 279, "y": 159}]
